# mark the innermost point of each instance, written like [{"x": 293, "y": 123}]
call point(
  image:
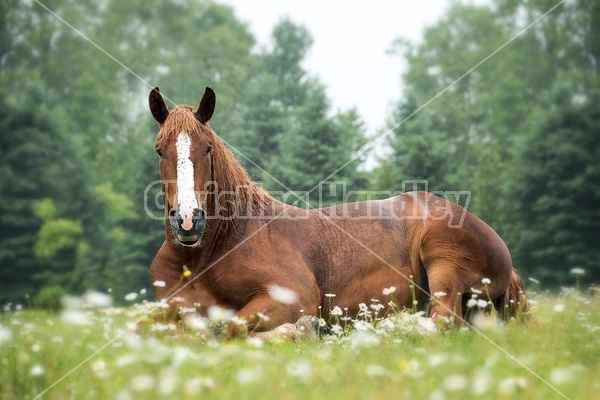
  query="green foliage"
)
[
  {"x": 39, "y": 162},
  {"x": 55, "y": 234},
  {"x": 519, "y": 132},
  {"x": 49, "y": 298},
  {"x": 293, "y": 142},
  {"x": 499, "y": 131},
  {"x": 557, "y": 187}
]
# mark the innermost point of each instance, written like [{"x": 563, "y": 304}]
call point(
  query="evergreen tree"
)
[
  {"x": 41, "y": 200},
  {"x": 557, "y": 189},
  {"x": 292, "y": 141}
]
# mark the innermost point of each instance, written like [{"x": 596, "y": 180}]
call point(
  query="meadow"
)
[{"x": 87, "y": 352}]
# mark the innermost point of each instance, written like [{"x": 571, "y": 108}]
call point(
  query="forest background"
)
[{"x": 520, "y": 133}]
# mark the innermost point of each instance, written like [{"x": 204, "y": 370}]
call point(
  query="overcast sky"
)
[{"x": 350, "y": 42}]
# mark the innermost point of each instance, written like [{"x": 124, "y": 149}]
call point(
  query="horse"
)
[{"x": 228, "y": 243}]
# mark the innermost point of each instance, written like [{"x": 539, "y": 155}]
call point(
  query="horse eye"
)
[
  {"x": 159, "y": 152},
  {"x": 208, "y": 149}
]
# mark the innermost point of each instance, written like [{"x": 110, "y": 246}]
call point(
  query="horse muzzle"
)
[{"x": 191, "y": 236}]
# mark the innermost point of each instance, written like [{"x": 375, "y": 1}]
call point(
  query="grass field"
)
[{"x": 87, "y": 354}]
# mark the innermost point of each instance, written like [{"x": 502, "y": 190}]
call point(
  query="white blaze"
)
[{"x": 186, "y": 198}]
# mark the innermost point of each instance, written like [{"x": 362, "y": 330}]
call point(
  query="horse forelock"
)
[{"x": 180, "y": 119}]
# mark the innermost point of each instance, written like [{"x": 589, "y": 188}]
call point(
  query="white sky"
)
[{"x": 350, "y": 39}]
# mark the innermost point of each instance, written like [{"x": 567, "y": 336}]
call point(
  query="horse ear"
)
[
  {"x": 207, "y": 106},
  {"x": 158, "y": 108}
]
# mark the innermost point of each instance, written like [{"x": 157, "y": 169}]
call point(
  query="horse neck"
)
[{"x": 235, "y": 200}]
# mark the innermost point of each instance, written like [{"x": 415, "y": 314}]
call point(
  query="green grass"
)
[{"x": 561, "y": 348}]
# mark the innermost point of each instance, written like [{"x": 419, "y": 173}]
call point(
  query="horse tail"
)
[{"x": 513, "y": 303}]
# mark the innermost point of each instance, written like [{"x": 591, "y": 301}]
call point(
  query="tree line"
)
[{"x": 521, "y": 132}]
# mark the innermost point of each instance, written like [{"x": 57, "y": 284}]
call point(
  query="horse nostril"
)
[
  {"x": 200, "y": 213},
  {"x": 175, "y": 216}
]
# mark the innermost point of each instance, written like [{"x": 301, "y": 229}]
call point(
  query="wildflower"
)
[
  {"x": 195, "y": 322},
  {"x": 507, "y": 386},
  {"x": 562, "y": 375},
  {"x": 476, "y": 291},
  {"x": 142, "y": 382},
  {"x": 98, "y": 365},
  {"x": 437, "y": 359},
  {"x": 362, "y": 326},
  {"x": 456, "y": 382},
  {"x": 390, "y": 290},
  {"x": 76, "y": 317},
  {"x": 482, "y": 380},
  {"x": 36, "y": 370},
  {"x": 262, "y": 316},
  {"x": 283, "y": 295},
  {"x": 248, "y": 375},
  {"x": 577, "y": 271},
  {"x": 167, "y": 383},
  {"x": 330, "y": 295},
  {"x": 534, "y": 280},
  {"x": 425, "y": 325},
  {"x": 5, "y": 335},
  {"x": 375, "y": 370},
  {"x": 486, "y": 281},
  {"x": 193, "y": 386},
  {"x": 363, "y": 339},
  {"x": 177, "y": 299},
  {"x": 220, "y": 314},
  {"x": 558, "y": 308},
  {"x": 159, "y": 283},
  {"x": 362, "y": 307},
  {"x": 131, "y": 296},
  {"x": 255, "y": 342},
  {"x": 186, "y": 272},
  {"x": 336, "y": 329},
  {"x": 471, "y": 303},
  {"x": 160, "y": 327},
  {"x": 143, "y": 291},
  {"x": 377, "y": 306},
  {"x": 97, "y": 299},
  {"x": 322, "y": 323},
  {"x": 36, "y": 347},
  {"x": 482, "y": 303},
  {"x": 384, "y": 326},
  {"x": 485, "y": 322},
  {"x": 239, "y": 321},
  {"x": 301, "y": 369},
  {"x": 160, "y": 304},
  {"x": 337, "y": 311},
  {"x": 439, "y": 295}
]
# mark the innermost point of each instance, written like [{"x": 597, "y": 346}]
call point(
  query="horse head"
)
[{"x": 184, "y": 144}]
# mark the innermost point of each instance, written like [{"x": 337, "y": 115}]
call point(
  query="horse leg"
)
[
  {"x": 263, "y": 314},
  {"x": 302, "y": 329},
  {"x": 446, "y": 289}
]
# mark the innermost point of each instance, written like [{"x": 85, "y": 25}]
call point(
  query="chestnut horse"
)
[{"x": 238, "y": 241}]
